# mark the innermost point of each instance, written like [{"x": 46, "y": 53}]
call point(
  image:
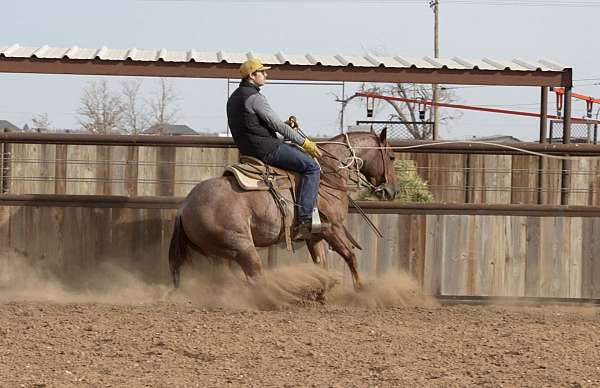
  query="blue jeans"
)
[{"x": 291, "y": 158}]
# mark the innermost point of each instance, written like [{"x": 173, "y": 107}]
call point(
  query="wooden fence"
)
[
  {"x": 167, "y": 171},
  {"x": 448, "y": 254}
]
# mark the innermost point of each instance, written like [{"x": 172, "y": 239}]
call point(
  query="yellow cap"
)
[{"x": 252, "y": 65}]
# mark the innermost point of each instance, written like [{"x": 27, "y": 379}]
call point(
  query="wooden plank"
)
[
  {"x": 594, "y": 183},
  {"x": 497, "y": 178},
  {"x": 387, "y": 246},
  {"x": 81, "y": 171},
  {"x": 117, "y": 165},
  {"x": 516, "y": 255},
  {"x": 401, "y": 259},
  {"x": 552, "y": 178},
  {"x": 490, "y": 271},
  {"x": 6, "y": 186},
  {"x": 533, "y": 251},
  {"x": 434, "y": 253},
  {"x": 574, "y": 258},
  {"x": 189, "y": 166},
  {"x": 103, "y": 171},
  {"x": 131, "y": 171},
  {"x": 524, "y": 179},
  {"x": 499, "y": 257},
  {"x": 47, "y": 157},
  {"x": 167, "y": 225},
  {"x": 367, "y": 258},
  {"x": 166, "y": 171},
  {"x": 60, "y": 169},
  {"x": 475, "y": 171},
  {"x": 101, "y": 220},
  {"x": 455, "y": 270},
  {"x": 473, "y": 250},
  {"x": 580, "y": 181},
  {"x": 556, "y": 251},
  {"x": 17, "y": 170},
  {"x": 147, "y": 171},
  {"x": 549, "y": 282},
  {"x": 74, "y": 257},
  {"x": 4, "y": 228},
  {"x": 590, "y": 266},
  {"x": 123, "y": 234},
  {"x": 416, "y": 247}
]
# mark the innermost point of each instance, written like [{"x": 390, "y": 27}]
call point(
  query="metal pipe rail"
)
[
  {"x": 371, "y": 207},
  {"x": 117, "y": 140},
  {"x": 516, "y": 300},
  {"x": 423, "y": 146}
]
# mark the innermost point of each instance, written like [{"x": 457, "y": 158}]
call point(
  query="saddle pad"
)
[{"x": 251, "y": 179}]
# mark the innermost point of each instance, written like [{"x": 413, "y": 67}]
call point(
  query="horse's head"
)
[{"x": 378, "y": 166}]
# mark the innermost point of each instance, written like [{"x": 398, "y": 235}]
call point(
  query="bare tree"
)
[
  {"x": 163, "y": 103},
  {"x": 41, "y": 123},
  {"x": 135, "y": 115},
  {"x": 409, "y": 112},
  {"x": 101, "y": 110}
]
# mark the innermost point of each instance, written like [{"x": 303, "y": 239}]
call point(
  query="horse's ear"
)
[{"x": 383, "y": 134}]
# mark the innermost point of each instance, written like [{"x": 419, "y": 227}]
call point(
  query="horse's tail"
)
[{"x": 177, "y": 250}]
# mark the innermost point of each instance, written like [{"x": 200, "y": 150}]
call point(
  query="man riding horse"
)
[{"x": 254, "y": 126}]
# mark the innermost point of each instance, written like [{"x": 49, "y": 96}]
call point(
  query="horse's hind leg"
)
[
  {"x": 251, "y": 264},
  {"x": 336, "y": 237}
]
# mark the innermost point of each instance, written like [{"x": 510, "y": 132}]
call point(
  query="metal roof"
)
[
  {"x": 134, "y": 54},
  {"x": 285, "y": 65},
  {"x": 7, "y": 125},
  {"x": 170, "y": 129}
]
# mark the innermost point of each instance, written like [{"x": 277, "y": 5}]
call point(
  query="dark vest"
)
[{"x": 250, "y": 133}]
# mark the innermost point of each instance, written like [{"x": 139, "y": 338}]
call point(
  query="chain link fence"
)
[
  {"x": 395, "y": 129},
  {"x": 581, "y": 132}
]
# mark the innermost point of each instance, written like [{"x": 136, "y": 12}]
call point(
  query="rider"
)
[{"x": 255, "y": 126}]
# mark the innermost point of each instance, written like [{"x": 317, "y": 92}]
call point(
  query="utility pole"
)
[{"x": 435, "y": 6}]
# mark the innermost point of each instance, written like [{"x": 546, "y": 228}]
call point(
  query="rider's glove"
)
[{"x": 311, "y": 148}]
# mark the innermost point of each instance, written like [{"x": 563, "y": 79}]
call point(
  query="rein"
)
[{"x": 358, "y": 163}]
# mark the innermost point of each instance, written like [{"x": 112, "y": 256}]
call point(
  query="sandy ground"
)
[{"x": 135, "y": 334}]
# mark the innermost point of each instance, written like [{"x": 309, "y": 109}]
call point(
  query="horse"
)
[{"x": 221, "y": 221}]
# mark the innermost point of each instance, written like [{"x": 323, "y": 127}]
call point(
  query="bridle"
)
[{"x": 356, "y": 163}]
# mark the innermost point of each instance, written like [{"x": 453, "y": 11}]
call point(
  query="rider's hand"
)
[{"x": 311, "y": 148}]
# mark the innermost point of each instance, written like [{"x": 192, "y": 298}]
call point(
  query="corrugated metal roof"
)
[{"x": 280, "y": 58}]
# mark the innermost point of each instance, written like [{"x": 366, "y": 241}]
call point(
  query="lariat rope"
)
[{"x": 506, "y": 146}]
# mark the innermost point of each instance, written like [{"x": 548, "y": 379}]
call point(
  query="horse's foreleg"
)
[
  {"x": 318, "y": 252},
  {"x": 336, "y": 237}
]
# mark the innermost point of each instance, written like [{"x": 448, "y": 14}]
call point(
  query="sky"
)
[{"x": 503, "y": 29}]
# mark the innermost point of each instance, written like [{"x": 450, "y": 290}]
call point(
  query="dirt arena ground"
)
[{"x": 135, "y": 334}]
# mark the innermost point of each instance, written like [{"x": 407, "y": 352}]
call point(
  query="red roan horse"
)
[{"x": 219, "y": 220}]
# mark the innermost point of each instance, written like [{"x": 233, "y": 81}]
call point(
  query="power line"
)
[{"x": 500, "y": 3}]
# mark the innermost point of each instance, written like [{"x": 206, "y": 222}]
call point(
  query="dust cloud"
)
[
  {"x": 106, "y": 282},
  {"x": 394, "y": 289},
  {"x": 224, "y": 287},
  {"x": 203, "y": 285}
]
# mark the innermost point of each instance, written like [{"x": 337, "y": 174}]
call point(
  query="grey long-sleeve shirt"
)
[{"x": 258, "y": 104}]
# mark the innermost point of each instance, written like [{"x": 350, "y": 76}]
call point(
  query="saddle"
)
[{"x": 252, "y": 174}]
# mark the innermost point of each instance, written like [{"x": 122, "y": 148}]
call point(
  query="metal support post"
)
[
  {"x": 565, "y": 186},
  {"x": 541, "y": 181}
]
